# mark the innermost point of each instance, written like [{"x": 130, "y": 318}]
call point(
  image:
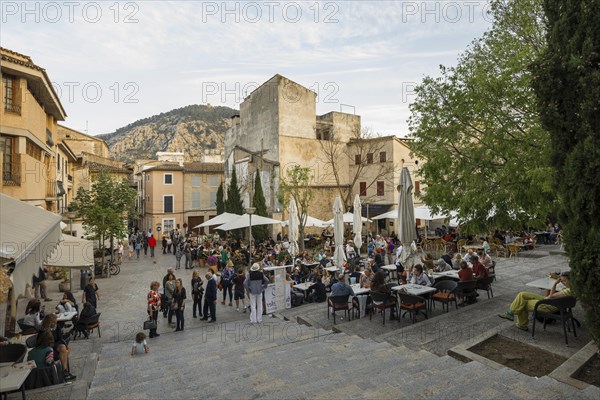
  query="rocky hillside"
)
[{"x": 191, "y": 129}]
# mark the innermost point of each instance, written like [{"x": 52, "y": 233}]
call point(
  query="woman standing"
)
[
  {"x": 153, "y": 306},
  {"x": 197, "y": 292},
  {"x": 178, "y": 303},
  {"x": 226, "y": 282},
  {"x": 169, "y": 290}
]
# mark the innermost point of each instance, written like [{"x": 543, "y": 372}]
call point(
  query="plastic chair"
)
[
  {"x": 87, "y": 325},
  {"x": 467, "y": 290},
  {"x": 383, "y": 301},
  {"x": 445, "y": 294},
  {"x": 368, "y": 305},
  {"x": 338, "y": 303},
  {"x": 564, "y": 306}
]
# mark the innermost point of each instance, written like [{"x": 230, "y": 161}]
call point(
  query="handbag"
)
[
  {"x": 150, "y": 324},
  {"x": 174, "y": 306}
]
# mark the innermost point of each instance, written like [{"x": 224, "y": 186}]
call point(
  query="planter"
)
[{"x": 64, "y": 286}]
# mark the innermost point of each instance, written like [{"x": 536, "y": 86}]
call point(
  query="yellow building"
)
[
  {"x": 201, "y": 182},
  {"x": 29, "y": 113}
]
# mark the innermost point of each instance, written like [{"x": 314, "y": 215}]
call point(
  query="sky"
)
[{"x": 113, "y": 63}]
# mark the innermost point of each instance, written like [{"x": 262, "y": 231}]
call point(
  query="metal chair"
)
[
  {"x": 412, "y": 304},
  {"x": 466, "y": 289},
  {"x": 338, "y": 303},
  {"x": 87, "y": 325},
  {"x": 445, "y": 294},
  {"x": 381, "y": 302},
  {"x": 564, "y": 312},
  {"x": 486, "y": 284}
]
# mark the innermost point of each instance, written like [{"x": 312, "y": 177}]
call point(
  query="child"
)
[{"x": 140, "y": 344}]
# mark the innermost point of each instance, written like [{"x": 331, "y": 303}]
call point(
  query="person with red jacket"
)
[{"x": 152, "y": 244}]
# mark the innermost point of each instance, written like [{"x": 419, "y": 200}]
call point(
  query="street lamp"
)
[
  {"x": 250, "y": 211},
  {"x": 71, "y": 215}
]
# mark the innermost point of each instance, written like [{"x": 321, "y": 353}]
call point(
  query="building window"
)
[
  {"x": 168, "y": 179},
  {"x": 363, "y": 188},
  {"x": 369, "y": 158},
  {"x": 168, "y": 204},
  {"x": 357, "y": 159},
  {"x": 417, "y": 187},
  {"x": 380, "y": 188},
  {"x": 213, "y": 199},
  {"x": 195, "y": 180},
  {"x": 9, "y": 84},
  {"x": 382, "y": 157},
  {"x": 33, "y": 150},
  {"x": 195, "y": 200},
  {"x": 10, "y": 163},
  {"x": 58, "y": 162},
  {"x": 214, "y": 181}
]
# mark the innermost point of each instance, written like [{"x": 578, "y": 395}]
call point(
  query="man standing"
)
[
  {"x": 152, "y": 244},
  {"x": 90, "y": 293},
  {"x": 187, "y": 252},
  {"x": 39, "y": 283},
  {"x": 255, "y": 284},
  {"x": 210, "y": 298}
]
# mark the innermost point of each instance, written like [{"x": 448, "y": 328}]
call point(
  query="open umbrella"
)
[
  {"x": 357, "y": 223},
  {"x": 406, "y": 212},
  {"x": 243, "y": 221},
  {"x": 293, "y": 224},
  {"x": 348, "y": 218},
  {"x": 218, "y": 220},
  {"x": 339, "y": 257}
]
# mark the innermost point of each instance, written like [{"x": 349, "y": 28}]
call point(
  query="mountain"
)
[{"x": 191, "y": 129}]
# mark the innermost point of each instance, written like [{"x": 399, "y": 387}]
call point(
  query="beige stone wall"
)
[
  {"x": 297, "y": 110},
  {"x": 206, "y": 187}
]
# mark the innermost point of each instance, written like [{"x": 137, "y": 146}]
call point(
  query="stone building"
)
[{"x": 278, "y": 127}]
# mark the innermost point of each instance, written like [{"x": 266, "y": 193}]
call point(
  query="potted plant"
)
[{"x": 65, "y": 285}]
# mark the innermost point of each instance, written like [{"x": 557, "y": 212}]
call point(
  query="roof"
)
[
  {"x": 86, "y": 135},
  {"x": 203, "y": 167},
  {"x": 53, "y": 107},
  {"x": 166, "y": 167}
]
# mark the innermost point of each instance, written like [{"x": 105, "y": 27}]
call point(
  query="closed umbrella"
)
[
  {"x": 406, "y": 212},
  {"x": 339, "y": 257},
  {"x": 293, "y": 223},
  {"x": 357, "y": 223}
]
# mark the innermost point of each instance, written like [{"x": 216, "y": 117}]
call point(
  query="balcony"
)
[
  {"x": 13, "y": 108},
  {"x": 51, "y": 189},
  {"x": 11, "y": 172}
]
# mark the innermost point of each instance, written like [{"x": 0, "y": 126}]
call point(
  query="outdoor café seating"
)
[
  {"x": 486, "y": 284},
  {"x": 412, "y": 305},
  {"x": 382, "y": 302},
  {"x": 446, "y": 293},
  {"x": 338, "y": 303},
  {"x": 564, "y": 314}
]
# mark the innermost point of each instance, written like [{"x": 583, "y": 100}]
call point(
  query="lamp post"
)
[
  {"x": 71, "y": 215},
  {"x": 250, "y": 211}
]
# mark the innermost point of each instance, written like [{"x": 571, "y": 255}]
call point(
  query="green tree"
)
[
  {"x": 105, "y": 208},
  {"x": 567, "y": 83},
  {"x": 259, "y": 232},
  {"x": 233, "y": 203},
  {"x": 296, "y": 185},
  {"x": 220, "y": 203},
  {"x": 478, "y": 129}
]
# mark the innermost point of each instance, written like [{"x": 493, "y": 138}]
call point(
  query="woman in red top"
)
[
  {"x": 152, "y": 244},
  {"x": 465, "y": 273},
  {"x": 153, "y": 305}
]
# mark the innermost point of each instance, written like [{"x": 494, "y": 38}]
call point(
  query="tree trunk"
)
[{"x": 11, "y": 314}]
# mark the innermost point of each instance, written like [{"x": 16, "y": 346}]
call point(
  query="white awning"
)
[
  {"x": 311, "y": 221},
  {"x": 28, "y": 235},
  {"x": 243, "y": 221},
  {"x": 348, "y": 219},
  {"x": 218, "y": 220},
  {"x": 72, "y": 252}
]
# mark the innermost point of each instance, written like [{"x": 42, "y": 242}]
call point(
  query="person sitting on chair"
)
[
  {"x": 318, "y": 292},
  {"x": 61, "y": 352},
  {"x": 87, "y": 311},
  {"x": 341, "y": 288},
  {"x": 525, "y": 302},
  {"x": 417, "y": 276}
]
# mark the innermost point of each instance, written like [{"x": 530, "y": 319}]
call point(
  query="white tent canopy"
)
[
  {"x": 348, "y": 219},
  {"x": 218, "y": 220},
  {"x": 28, "y": 235},
  {"x": 243, "y": 221},
  {"x": 421, "y": 212},
  {"x": 72, "y": 252}
]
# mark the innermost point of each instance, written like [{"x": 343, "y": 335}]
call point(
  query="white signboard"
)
[{"x": 274, "y": 302}]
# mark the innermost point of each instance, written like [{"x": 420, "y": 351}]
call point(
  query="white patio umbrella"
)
[
  {"x": 406, "y": 212},
  {"x": 311, "y": 221},
  {"x": 339, "y": 256},
  {"x": 348, "y": 218},
  {"x": 243, "y": 221},
  {"x": 425, "y": 213},
  {"x": 293, "y": 223},
  {"x": 357, "y": 223},
  {"x": 219, "y": 220}
]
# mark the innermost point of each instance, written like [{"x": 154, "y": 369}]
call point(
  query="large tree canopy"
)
[
  {"x": 478, "y": 128},
  {"x": 567, "y": 82}
]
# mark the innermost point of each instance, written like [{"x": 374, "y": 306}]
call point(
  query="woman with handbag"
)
[
  {"x": 178, "y": 303},
  {"x": 197, "y": 292},
  {"x": 153, "y": 307}
]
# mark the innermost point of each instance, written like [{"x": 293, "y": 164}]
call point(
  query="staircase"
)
[{"x": 285, "y": 360}]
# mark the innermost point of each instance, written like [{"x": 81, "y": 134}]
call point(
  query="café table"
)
[
  {"x": 473, "y": 247},
  {"x": 12, "y": 377},
  {"x": 332, "y": 269},
  {"x": 545, "y": 284},
  {"x": 449, "y": 274},
  {"x": 66, "y": 316},
  {"x": 304, "y": 287},
  {"x": 391, "y": 268},
  {"x": 417, "y": 290},
  {"x": 361, "y": 295}
]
